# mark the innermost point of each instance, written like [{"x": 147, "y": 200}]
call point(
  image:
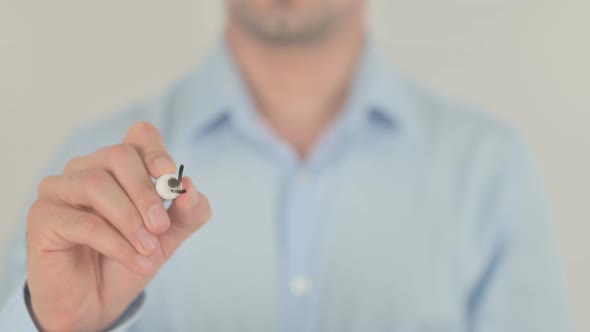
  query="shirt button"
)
[{"x": 300, "y": 285}]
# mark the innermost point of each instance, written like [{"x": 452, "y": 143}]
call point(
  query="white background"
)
[{"x": 68, "y": 62}]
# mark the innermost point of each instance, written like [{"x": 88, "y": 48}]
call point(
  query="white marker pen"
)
[{"x": 169, "y": 186}]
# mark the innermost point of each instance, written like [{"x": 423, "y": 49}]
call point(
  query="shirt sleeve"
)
[
  {"x": 130, "y": 316},
  {"x": 521, "y": 286},
  {"x": 14, "y": 314}
]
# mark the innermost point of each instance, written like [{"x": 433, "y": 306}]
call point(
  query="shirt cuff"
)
[
  {"x": 15, "y": 315},
  {"x": 130, "y": 315}
]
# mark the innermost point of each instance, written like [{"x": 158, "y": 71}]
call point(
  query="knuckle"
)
[
  {"x": 36, "y": 212},
  {"x": 46, "y": 185},
  {"x": 142, "y": 128},
  {"x": 68, "y": 221},
  {"x": 91, "y": 180},
  {"x": 73, "y": 164},
  {"x": 120, "y": 153}
]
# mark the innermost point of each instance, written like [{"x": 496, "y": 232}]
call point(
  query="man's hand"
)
[{"x": 98, "y": 233}]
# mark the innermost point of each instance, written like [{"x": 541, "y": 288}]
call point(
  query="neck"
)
[{"x": 299, "y": 89}]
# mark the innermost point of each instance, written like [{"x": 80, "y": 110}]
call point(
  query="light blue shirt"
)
[{"x": 412, "y": 213}]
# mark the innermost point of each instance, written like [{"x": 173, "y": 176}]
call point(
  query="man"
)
[{"x": 346, "y": 198}]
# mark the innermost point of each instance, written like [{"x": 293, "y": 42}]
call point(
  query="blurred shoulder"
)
[
  {"x": 457, "y": 127},
  {"x": 161, "y": 111}
]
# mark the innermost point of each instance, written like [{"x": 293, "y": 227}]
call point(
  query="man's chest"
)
[{"x": 383, "y": 244}]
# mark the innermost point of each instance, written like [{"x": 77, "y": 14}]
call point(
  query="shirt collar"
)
[
  {"x": 217, "y": 93},
  {"x": 378, "y": 91},
  {"x": 209, "y": 96}
]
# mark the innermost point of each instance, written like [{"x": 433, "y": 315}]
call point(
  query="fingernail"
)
[
  {"x": 147, "y": 241},
  {"x": 163, "y": 164},
  {"x": 145, "y": 263},
  {"x": 158, "y": 217}
]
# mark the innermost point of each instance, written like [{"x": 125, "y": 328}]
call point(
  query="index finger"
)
[{"x": 148, "y": 142}]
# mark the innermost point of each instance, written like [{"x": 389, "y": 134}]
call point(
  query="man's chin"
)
[
  {"x": 290, "y": 26},
  {"x": 285, "y": 29}
]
